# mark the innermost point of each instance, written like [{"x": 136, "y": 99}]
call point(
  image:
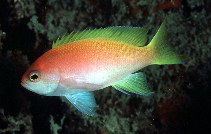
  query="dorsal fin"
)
[{"x": 132, "y": 35}]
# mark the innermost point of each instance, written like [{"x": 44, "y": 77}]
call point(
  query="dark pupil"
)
[{"x": 34, "y": 77}]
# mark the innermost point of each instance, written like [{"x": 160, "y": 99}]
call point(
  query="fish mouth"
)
[{"x": 24, "y": 84}]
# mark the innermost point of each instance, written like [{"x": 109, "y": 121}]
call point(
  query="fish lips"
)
[{"x": 24, "y": 84}]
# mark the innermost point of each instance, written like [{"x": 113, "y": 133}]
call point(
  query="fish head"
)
[{"x": 40, "y": 78}]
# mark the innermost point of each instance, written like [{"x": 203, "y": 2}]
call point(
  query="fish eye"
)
[{"x": 34, "y": 76}]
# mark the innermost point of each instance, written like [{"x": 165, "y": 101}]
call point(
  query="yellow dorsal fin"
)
[{"x": 132, "y": 35}]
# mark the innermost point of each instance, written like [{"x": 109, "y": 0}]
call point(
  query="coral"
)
[
  {"x": 54, "y": 126},
  {"x": 28, "y": 28},
  {"x": 14, "y": 124},
  {"x": 168, "y": 4},
  {"x": 2, "y": 36},
  {"x": 170, "y": 110},
  {"x": 23, "y": 8}
]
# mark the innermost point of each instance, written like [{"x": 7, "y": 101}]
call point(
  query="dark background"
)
[{"x": 182, "y": 100}]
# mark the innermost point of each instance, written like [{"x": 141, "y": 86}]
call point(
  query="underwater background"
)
[{"x": 182, "y": 100}]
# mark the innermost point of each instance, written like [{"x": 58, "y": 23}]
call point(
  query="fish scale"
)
[{"x": 94, "y": 59}]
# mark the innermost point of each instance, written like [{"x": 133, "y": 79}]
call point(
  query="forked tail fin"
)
[{"x": 163, "y": 53}]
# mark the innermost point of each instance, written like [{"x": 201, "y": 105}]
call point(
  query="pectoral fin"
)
[
  {"x": 84, "y": 102},
  {"x": 135, "y": 83}
]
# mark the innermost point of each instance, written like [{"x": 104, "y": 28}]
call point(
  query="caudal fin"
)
[{"x": 163, "y": 53}]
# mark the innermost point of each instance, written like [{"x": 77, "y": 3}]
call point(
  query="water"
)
[{"x": 180, "y": 104}]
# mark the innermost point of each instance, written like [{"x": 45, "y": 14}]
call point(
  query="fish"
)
[{"x": 90, "y": 60}]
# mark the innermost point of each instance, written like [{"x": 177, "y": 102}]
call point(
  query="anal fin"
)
[{"x": 134, "y": 83}]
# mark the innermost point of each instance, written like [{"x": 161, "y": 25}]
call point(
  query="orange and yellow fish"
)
[{"x": 95, "y": 59}]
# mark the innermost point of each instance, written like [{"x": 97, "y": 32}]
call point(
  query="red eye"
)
[{"x": 34, "y": 76}]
